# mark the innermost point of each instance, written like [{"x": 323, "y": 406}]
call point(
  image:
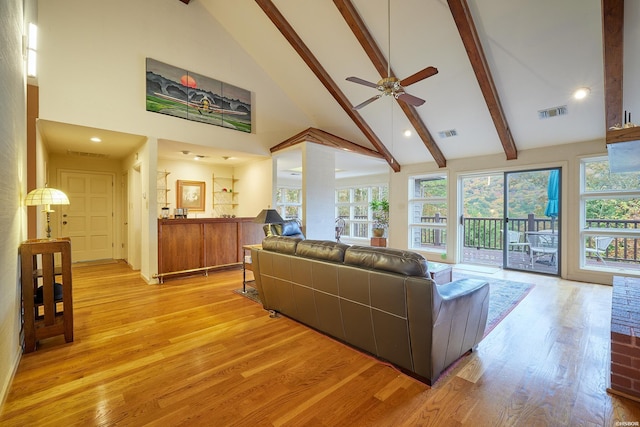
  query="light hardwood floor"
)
[{"x": 191, "y": 352}]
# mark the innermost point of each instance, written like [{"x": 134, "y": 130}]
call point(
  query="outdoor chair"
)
[
  {"x": 513, "y": 240},
  {"x": 543, "y": 245},
  {"x": 601, "y": 245}
]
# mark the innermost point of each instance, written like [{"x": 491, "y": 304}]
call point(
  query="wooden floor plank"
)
[{"x": 193, "y": 352}]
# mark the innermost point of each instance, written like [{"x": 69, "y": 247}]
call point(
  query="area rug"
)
[{"x": 504, "y": 296}]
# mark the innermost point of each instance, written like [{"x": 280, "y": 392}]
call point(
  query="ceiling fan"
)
[{"x": 391, "y": 86}]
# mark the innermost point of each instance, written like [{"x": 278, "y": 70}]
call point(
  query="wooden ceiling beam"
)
[
  {"x": 359, "y": 29},
  {"x": 327, "y": 139},
  {"x": 613, "y": 51},
  {"x": 296, "y": 42},
  {"x": 468, "y": 34}
]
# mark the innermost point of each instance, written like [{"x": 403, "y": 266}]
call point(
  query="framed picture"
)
[{"x": 190, "y": 195}]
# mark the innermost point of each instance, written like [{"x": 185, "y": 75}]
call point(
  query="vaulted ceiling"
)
[{"x": 500, "y": 64}]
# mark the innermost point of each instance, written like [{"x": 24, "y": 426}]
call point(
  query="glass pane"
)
[
  {"x": 379, "y": 193},
  {"x": 279, "y": 195},
  {"x": 343, "y": 195},
  {"x": 613, "y": 213},
  {"x": 599, "y": 179},
  {"x": 483, "y": 196},
  {"x": 435, "y": 186},
  {"x": 293, "y": 195},
  {"x": 428, "y": 238},
  {"x": 291, "y": 212},
  {"x": 361, "y": 212},
  {"x": 360, "y": 230},
  {"x": 343, "y": 211},
  {"x": 360, "y": 195},
  {"x": 428, "y": 212}
]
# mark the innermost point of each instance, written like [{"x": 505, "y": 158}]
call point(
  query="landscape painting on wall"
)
[{"x": 181, "y": 93}]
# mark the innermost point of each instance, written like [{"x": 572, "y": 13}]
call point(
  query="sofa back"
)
[
  {"x": 351, "y": 294},
  {"x": 379, "y": 300}
]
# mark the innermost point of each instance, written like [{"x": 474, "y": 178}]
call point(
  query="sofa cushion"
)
[
  {"x": 290, "y": 228},
  {"x": 322, "y": 249},
  {"x": 388, "y": 259},
  {"x": 281, "y": 244}
]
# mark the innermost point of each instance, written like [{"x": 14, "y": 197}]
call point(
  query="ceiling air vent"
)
[
  {"x": 84, "y": 154},
  {"x": 553, "y": 112},
  {"x": 448, "y": 133}
]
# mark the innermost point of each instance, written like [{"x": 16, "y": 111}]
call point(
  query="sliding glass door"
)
[{"x": 531, "y": 234}]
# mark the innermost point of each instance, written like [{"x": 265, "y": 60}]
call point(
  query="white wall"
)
[
  {"x": 93, "y": 70},
  {"x": 14, "y": 14},
  {"x": 255, "y": 187}
]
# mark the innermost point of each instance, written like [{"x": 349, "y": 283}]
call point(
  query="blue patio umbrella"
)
[{"x": 553, "y": 191}]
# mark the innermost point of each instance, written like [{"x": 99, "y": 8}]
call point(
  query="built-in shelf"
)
[
  {"x": 163, "y": 188},
  {"x": 225, "y": 198}
]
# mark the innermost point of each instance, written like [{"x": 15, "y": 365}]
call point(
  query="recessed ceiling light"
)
[
  {"x": 198, "y": 157},
  {"x": 186, "y": 152},
  {"x": 581, "y": 93},
  {"x": 407, "y": 133},
  {"x": 95, "y": 139}
]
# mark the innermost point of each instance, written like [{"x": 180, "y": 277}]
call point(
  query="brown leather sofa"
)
[{"x": 379, "y": 300}]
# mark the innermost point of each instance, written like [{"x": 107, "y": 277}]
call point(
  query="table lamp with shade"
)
[
  {"x": 268, "y": 217},
  {"x": 46, "y": 196}
]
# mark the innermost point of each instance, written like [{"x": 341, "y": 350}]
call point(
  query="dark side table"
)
[{"x": 440, "y": 273}]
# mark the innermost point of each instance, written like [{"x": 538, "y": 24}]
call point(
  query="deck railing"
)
[{"x": 486, "y": 233}]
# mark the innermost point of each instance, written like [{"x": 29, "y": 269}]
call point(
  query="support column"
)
[{"x": 318, "y": 189}]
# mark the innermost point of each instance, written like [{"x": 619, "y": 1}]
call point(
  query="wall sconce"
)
[
  {"x": 47, "y": 197},
  {"x": 32, "y": 47}
]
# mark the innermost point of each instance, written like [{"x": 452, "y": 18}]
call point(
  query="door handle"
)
[{"x": 64, "y": 222}]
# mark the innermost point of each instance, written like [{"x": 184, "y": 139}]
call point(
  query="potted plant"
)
[{"x": 380, "y": 213}]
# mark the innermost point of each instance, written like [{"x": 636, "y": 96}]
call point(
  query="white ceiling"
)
[{"x": 538, "y": 52}]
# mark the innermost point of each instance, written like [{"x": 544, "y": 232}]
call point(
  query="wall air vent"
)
[
  {"x": 553, "y": 112},
  {"x": 448, "y": 133},
  {"x": 84, "y": 154}
]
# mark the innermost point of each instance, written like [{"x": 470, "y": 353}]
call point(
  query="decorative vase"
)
[{"x": 378, "y": 232}]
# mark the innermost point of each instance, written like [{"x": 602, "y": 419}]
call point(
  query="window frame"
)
[
  {"x": 380, "y": 188},
  {"x": 418, "y": 228},
  {"x": 587, "y": 233}
]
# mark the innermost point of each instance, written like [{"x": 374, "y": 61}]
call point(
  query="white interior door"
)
[{"x": 88, "y": 219}]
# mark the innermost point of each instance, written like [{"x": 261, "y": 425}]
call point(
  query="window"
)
[
  {"x": 610, "y": 217},
  {"x": 352, "y": 205},
  {"x": 289, "y": 202},
  {"x": 428, "y": 212}
]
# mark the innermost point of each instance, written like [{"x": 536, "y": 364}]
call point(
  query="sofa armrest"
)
[
  {"x": 460, "y": 311},
  {"x": 458, "y": 288}
]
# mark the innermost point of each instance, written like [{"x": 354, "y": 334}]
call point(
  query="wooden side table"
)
[
  {"x": 247, "y": 264},
  {"x": 48, "y": 311},
  {"x": 440, "y": 273},
  {"x": 379, "y": 242}
]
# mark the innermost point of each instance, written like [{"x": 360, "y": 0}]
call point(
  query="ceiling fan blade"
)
[
  {"x": 410, "y": 99},
  {"x": 420, "y": 75},
  {"x": 367, "y": 102},
  {"x": 362, "y": 82}
]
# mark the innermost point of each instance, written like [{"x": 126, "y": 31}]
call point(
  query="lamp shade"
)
[
  {"x": 268, "y": 216},
  {"x": 46, "y": 196}
]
